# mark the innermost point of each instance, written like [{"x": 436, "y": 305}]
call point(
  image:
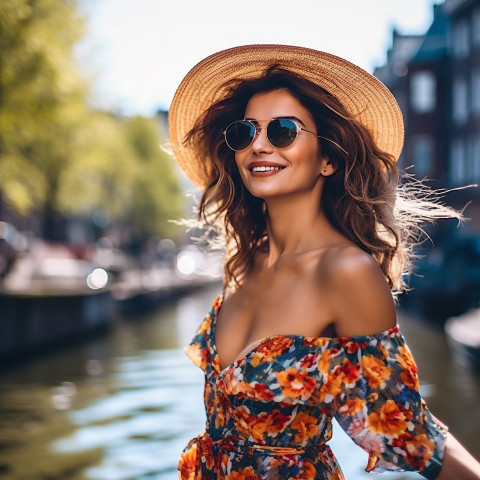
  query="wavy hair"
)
[{"x": 367, "y": 203}]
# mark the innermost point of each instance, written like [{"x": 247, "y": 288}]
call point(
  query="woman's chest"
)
[{"x": 261, "y": 310}]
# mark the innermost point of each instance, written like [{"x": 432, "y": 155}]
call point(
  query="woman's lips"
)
[{"x": 264, "y": 168}]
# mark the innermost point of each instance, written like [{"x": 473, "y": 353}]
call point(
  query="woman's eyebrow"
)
[
  {"x": 291, "y": 117},
  {"x": 288, "y": 117}
]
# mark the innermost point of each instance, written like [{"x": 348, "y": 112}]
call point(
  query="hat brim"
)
[{"x": 363, "y": 95}]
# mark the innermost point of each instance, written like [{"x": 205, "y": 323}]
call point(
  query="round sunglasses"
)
[{"x": 281, "y": 133}]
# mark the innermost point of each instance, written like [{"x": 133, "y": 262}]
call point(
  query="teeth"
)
[{"x": 265, "y": 169}]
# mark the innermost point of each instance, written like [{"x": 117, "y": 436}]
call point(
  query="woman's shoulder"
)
[
  {"x": 360, "y": 298},
  {"x": 347, "y": 261}
]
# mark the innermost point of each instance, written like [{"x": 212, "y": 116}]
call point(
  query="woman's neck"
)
[{"x": 296, "y": 225}]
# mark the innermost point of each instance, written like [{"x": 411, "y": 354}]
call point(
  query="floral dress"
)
[{"x": 269, "y": 414}]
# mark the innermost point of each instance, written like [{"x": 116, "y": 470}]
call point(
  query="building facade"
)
[{"x": 436, "y": 80}]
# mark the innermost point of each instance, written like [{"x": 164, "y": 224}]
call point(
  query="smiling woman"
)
[{"x": 296, "y": 151}]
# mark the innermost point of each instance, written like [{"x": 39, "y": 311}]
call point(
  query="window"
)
[
  {"x": 476, "y": 92},
  {"x": 422, "y": 148},
  {"x": 476, "y": 158},
  {"x": 460, "y": 105},
  {"x": 457, "y": 163},
  {"x": 423, "y": 92},
  {"x": 461, "y": 46},
  {"x": 476, "y": 27}
]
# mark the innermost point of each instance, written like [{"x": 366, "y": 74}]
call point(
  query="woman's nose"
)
[{"x": 260, "y": 142}]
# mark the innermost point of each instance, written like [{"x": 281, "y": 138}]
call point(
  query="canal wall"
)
[{"x": 30, "y": 324}]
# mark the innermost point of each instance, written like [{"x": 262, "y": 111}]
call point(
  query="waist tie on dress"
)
[
  {"x": 233, "y": 443},
  {"x": 203, "y": 449}
]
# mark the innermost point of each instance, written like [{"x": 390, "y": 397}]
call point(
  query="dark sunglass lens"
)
[
  {"x": 281, "y": 132},
  {"x": 239, "y": 135}
]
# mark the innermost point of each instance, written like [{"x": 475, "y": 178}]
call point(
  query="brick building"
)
[{"x": 436, "y": 80}]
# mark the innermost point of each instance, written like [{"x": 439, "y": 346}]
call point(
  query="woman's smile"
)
[{"x": 261, "y": 168}]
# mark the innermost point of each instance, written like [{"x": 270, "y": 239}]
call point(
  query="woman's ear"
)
[{"x": 327, "y": 167}]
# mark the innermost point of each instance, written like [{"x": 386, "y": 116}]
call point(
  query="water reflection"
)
[
  {"x": 122, "y": 407},
  {"x": 143, "y": 423}
]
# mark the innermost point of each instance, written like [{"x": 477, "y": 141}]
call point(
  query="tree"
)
[
  {"x": 125, "y": 173},
  {"x": 42, "y": 103},
  {"x": 157, "y": 197},
  {"x": 59, "y": 157}
]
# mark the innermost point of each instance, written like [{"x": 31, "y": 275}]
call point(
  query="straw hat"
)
[{"x": 363, "y": 95}]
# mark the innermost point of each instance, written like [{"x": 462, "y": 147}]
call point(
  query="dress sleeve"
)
[
  {"x": 200, "y": 349},
  {"x": 375, "y": 399}
]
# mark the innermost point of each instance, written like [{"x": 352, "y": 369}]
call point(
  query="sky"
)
[{"x": 136, "y": 52}]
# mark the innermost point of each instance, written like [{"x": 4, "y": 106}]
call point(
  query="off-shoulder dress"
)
[{"x": 269, "y": 414}]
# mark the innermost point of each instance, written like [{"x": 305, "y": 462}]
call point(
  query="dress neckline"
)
[{"x": 253, "y": 347}]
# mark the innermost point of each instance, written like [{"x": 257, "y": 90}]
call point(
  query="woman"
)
[{"x": 296, "y": 152}]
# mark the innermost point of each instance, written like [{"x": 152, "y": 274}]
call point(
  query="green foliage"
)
[
  {"x": 157, "y": 196},
  {"x": 59, "y": 157},
  {"x": 125, "y": 172},
  {"x": 42, "y": 99}
]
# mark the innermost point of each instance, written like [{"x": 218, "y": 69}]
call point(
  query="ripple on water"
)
[{"x": 154, "y": 408}]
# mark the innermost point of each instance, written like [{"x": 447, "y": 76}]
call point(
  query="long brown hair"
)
[{"x": 366, "y": 201}]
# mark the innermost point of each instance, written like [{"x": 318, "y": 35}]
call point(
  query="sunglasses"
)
[{"x": 281, "y": 133}]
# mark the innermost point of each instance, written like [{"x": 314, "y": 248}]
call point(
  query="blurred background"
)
[{"x": 100, "y": 287}]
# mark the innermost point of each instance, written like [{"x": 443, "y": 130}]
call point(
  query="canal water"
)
[{"x": 123, "y": 406}]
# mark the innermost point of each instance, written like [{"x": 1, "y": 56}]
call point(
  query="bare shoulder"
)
[{"x": 359, "y": 297}]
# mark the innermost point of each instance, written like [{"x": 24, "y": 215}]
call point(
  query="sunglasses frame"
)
[{"x": 257, "y": 132}]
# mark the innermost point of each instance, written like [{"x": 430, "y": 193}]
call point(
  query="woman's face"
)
[{"x": 268, "y": 171}]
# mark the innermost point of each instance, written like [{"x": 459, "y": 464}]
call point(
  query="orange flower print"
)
[
  {"x": 316, "y": 341},
  {"x": 296, "y": 384},
  {"x": 243, "y": 474},
  {"x": 331, "y": 389},
  {"x": 409, "y": 379},
  {"x": 375, "y": 370},
  {"x": 307, "y": 472},
  {"x": 187, "y": 463},
  {"x": 309, "y": 360},
  {"x": 205, "y": 326},
  {"x": 242, "y": 417},
  {"x": 305, "y": 425},
  {"x": 271, "y": 424},
  {"x": 341, "y": 375},
  {"x": 219, "y": 416},
  {"x": 258, "y": 426},
  {"x": 388, "y": 421},
  {"x": 405, "y": 359},
  {"x": 383, "y": 350},
  {"x": 324, "y": 362},
  {"x": 351, "y": 406},
  {"x": 267, "y": 351},
  {"x": 419, "y": 450},
  {"x": 409, "y": 374},
  {"x": 261, "y": 391},
  {"x": 256, "y": 390},
  {"x": 217, "y": 303},
  {"x": 348, "y": 372},
  {"x": 197, "y": 354},
  {"x": 276, "y": 422},
  {"x": 216, "y": 363},
  {"x": 351, "y": 346}
]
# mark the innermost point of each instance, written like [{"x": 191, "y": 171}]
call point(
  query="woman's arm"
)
[
  {"x": 363, "y": 305},
  {"x": 458, "y": 463}
]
